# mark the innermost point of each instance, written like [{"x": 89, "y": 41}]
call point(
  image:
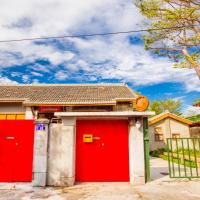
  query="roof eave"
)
[
  {"x": 70, "y": 103},
  {"x": 10, "y": 100},
  {"x": 169, "y": 115},
  {"x": 105, "y": 114}
]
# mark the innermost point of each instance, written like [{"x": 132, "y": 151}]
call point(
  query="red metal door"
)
[
  {"x": 16, "y": 150},
  {"x": 107, "y": 157}
]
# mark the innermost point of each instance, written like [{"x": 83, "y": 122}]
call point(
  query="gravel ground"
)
[{"x": 181, "y": 190}]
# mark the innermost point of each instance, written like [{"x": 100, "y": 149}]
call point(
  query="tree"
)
[
  {"x": 174, "y": 30},
  {"x": 197, "y": 102},
  {"x": 171, "y": 105}
]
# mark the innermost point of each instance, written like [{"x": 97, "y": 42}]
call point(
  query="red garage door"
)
[
  {"x": 16, "y": 150},
  {"x": 106, "y": 158}
]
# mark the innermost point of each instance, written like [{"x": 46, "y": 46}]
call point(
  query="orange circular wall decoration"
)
[{"x": 141, "y": 103}]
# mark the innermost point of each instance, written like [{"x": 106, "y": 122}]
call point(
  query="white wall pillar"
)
[
  {"x": 40, "y": 152},
  {"x": 29, "y": 113},
  {"x": 136, "y": 153},
  {"x": 61, "y": 159}
]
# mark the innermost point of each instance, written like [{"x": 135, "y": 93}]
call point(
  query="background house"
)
[
  {"x": 195, "y": 129},
  {"x": 167, "y": 125}
]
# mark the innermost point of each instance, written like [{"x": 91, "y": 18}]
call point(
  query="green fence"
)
[{"x": 183, "y": 157}]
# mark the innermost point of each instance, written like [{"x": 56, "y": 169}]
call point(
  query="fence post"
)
[{"x": 146, "y": 149}]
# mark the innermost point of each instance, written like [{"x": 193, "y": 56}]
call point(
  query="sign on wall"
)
[
  {"x": 40, "y": 128},
  {"x": 49, "y": 109}
]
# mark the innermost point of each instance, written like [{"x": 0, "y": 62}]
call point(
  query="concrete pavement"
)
[{"x": 160, "y": 188}]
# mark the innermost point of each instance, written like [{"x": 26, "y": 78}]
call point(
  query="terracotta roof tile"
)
[
  {"x": 167, "y": 114},
  {"x": 66, "y": 93}
]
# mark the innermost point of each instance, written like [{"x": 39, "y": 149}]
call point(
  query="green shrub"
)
[{"x": 158, "y": 152}]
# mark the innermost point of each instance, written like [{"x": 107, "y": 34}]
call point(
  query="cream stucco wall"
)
[
  {"x": 169, "y": 126},
  {"x": 179, "y": 127},
  {"x": 195, "y": 131},
  {"x": 156, "y": 144}
]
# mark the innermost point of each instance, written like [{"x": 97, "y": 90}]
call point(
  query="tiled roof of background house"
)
[
  {"x": 67, "y": 94},
  {"x": 167, "y": 114},
  {"x": 195, "y": 124}
]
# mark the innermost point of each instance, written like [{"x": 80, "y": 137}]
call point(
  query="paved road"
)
[{"x": 161, "y": 188}]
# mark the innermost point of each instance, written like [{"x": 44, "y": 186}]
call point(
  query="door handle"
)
[
  {"x": 10, "y": 138},
  {"x": 96, "y": 138}
]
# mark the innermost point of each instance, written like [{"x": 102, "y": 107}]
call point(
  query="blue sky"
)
[{"x": 119, "y": 58}]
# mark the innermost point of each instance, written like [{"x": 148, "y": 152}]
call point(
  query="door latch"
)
[{"x": 10, "y": 138}]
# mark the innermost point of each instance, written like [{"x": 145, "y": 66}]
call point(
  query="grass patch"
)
[
  {"x": 192, "y": 153},
  {"x": 162, "y": 153},
  {"x": 178, "y": 161}
]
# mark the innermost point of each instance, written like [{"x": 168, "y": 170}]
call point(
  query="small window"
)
[
  {"x": 158, "y": 134},
  {"x": 158, "y": 130},
  {"x": 158, "y": 137},
  {"x": 176, "y": 135}
]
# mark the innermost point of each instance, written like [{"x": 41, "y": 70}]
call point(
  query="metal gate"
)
[
  {"x": 102, "y": 150},
  {"x": 184, "y": 157},
  {"x": 16, "y": 150}
]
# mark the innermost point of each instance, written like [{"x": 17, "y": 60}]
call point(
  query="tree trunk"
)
[{"x": 194, "y": 63}]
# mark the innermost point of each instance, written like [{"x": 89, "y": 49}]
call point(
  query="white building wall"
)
[
  {"x": 136, "y": 153},
  {"x": 40, "y": 153},
  {"x": 29, "y": 113},
  {"x": 61, "y": 153}
]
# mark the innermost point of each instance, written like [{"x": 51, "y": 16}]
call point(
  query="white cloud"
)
[
  {"x": 61, "y": 75},
  {"x": 61, "y": 16},
  {"x": 36, "y": 74},
  {"x": 40, "y": 68},
  {"x": 22, "y": 53},
  {"x": 191, "y": 111},
  {"x": 25, "y": 78},
  {"x": 131, "y": 63},
  {"x": 192, "y": 83},
  {"x": 35, "y": 81},
  {"x": 98, "y": 57},
  {"x": 15, "y": 74},
  {"x": 5, "y": 80},
  {"x": 179, "y": 98}
]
